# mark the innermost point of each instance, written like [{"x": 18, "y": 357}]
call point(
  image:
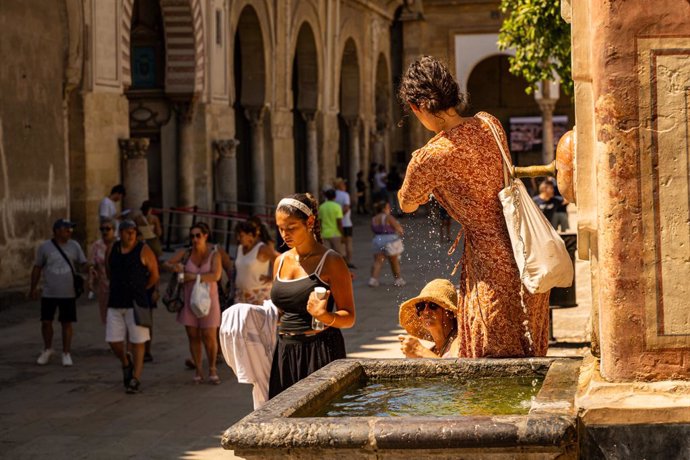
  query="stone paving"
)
[{"x": 83, "y": 412}]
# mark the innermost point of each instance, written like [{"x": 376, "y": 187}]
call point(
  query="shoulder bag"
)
[
  {"x": 539, "y": 251},
  {"x": 77, "y": 279},
  {"x": 173, "y": 297}
]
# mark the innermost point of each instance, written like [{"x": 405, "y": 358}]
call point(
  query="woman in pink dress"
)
[
  {"x": 462, "y": 167},
  {"x": 205, "y": 261}
]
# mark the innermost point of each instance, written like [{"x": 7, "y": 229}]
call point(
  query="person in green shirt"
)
[{"x": 331, "y": 217}]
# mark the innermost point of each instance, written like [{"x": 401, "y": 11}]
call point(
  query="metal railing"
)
[{"x": 221, "y": 222}]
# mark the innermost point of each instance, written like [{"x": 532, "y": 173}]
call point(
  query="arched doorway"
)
[
  {"x": 150, "y": 110},
  {"x": 250, "y": 74},
  {"x": 348, "y": 120},
  {"x": 493, "y": 89},
  {"x": 305, "y": 92}
]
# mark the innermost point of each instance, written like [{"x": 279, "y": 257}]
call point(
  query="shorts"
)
[
  {"x": 120, "y": 322},
  {"x": 347, "y": 232},
  {"x": 67, "y": 306}
]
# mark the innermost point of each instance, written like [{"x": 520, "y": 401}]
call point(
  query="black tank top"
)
[
  {"x": 291, "y": 296},
  {"x": 128, "y": 278}
]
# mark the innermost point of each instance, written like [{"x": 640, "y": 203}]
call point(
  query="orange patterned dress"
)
[{"x": 464, "y": 170}]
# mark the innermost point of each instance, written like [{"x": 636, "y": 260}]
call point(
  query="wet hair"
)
[
  {"x": 292, "y": 211},
  {"x": 428, "y": 84},
  {"x": 330, "y": 194}
]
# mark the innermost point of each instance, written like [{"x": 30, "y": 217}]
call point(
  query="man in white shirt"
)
[
  {"x": 107, "y": 208},
  {"x": 343, "y": 199}
]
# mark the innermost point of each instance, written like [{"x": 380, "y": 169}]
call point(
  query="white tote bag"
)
[
  {"x": 539, "y": 251},
  {"x": 200, "y": 301}
]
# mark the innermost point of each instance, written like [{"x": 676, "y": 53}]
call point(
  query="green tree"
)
[{"x": 541, "y": 39}]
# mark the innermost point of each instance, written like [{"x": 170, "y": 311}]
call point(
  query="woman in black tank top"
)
[{"x": 308, "y": 264}]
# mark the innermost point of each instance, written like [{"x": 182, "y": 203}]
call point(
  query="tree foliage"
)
[{"x": 541, "y": 39}]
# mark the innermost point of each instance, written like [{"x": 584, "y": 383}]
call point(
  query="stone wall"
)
[
  {"x": 630, "y": 64},
  {"x": 33, "y": 165}
]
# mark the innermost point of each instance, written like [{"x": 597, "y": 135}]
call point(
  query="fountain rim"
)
[{"x": 284, "y": 421}]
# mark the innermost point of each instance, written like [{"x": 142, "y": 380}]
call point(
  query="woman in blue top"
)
[{"x": 308, "y": 264}]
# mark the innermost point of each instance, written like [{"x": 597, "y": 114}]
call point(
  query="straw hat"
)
[{"x": 439, "y": 291}]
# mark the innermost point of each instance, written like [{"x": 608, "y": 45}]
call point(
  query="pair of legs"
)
[
  {"x": 209, "y": 337},
  {"x": 379, "y": 259},
  {"x": 120, "y": 325},
  {"x": 334, "y": 243},
  {"x": 47, "y": 333}
]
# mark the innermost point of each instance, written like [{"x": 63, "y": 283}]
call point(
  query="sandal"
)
[
  {"x": 197, "y": 379},
  {"x": 214, "y": 380}
]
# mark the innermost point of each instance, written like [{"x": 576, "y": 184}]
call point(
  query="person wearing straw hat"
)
[{"x": 431, "y": 316}]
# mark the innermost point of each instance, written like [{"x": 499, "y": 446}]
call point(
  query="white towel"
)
[{"x": 247, "y": 339}]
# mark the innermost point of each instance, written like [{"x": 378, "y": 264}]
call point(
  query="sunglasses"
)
[
  {"x": 195, "y": 235},
  {"x": 106, "y": 229},
  {"x": 421, "y": 306}
]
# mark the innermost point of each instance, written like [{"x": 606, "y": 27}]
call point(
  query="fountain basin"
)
[{"x": 286, "y": 427}]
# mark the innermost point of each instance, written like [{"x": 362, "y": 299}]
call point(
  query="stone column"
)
[
  {"x": 226, "y": 173},
  {"x": 547, "y": 103},
  {"x": 255, "y": 115},
  {"x": 378, "y": 148},
  {"x": 352, "y": 123},
  {"x": 309, "y": 117},
  {"x": 135, "y": 171},
  {"x": 185, "y": 159}
]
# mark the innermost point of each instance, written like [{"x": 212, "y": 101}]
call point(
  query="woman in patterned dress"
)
[{"x": 462, "y": 167}]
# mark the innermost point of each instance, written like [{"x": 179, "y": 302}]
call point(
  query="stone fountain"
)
[{"x": 630, "y": 178}]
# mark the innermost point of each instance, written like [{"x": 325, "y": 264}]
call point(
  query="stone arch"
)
[
  {"x": 250, "y": 75},
  {"x": 349, "y": 122},
  {"x": 305, "y": 100},
  {"x": 470, "y": 50},
  {"x": 184, "y": 38},
  {"x": 349, "y": 80}
]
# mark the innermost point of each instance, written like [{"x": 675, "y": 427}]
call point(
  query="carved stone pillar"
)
[
  {"x": 135, "y": 171},
  {"x": 226, "y": 173},
  {"x": 309, "y": 117},
  {"x": 378, "y": 148},
  {"x": 352, "y": 123},
  {"x": 185, "y": 159},
  {"x": 255, "y": 115}
]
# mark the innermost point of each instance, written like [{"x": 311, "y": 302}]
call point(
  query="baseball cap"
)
[
  {"x": 62, "y": 223},
  {"x": 127, "y": 224}
]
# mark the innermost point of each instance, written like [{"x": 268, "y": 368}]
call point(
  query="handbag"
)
[
  {"x": 539, "y": 251},
  {"x": 200, "y": 301},
  {"x": 77, "y": 280},
  {"x": 143, "y": 315},
  {"x": 173, "y": 297}
]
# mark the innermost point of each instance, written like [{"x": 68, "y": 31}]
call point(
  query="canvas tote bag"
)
[{"x": 539, "y": 251}]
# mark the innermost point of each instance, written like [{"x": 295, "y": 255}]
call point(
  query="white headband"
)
[{"x": 295, "y": 204}]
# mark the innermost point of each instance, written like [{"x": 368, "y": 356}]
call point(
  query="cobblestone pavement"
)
[{"x": 83, "y": 412}]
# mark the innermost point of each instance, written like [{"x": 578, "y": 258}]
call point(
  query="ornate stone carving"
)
[
  {"x": 255, "y": 114},
  {"x": 225, "y": 148},
  {"x": 134, "y": 147}
]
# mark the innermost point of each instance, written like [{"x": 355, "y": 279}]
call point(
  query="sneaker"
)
[
  {"x": 373, "y": 282},
  {"x": 399, "y": 282},
  {"x": 133, "y": 387},
  {"x": 128, "y": 370},
  {"x": 44, "y": 357},
  {"x": 66, "y": 359}
]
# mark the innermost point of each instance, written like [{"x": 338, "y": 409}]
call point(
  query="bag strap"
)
[
  {"x": 57, "y": 246},
  {"x": 507, "y": 162}
]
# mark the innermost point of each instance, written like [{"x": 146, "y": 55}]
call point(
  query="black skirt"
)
[{"x": 295, "y": 357}]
